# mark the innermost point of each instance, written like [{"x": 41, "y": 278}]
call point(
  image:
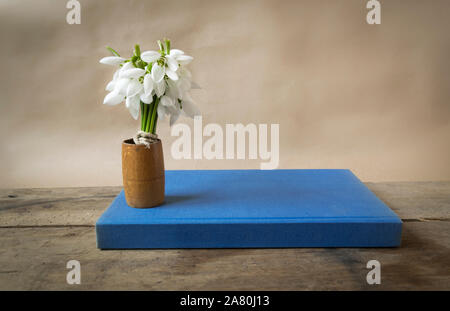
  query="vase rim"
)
[{"x": 130, "y": 142}]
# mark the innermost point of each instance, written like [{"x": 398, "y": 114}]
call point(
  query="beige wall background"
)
[{"x": 374, "y": 99}]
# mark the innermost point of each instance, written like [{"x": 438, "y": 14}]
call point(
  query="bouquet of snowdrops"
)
[{"x": 155, "y": 84}]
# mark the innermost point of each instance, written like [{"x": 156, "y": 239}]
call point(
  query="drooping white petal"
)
[
  {"x": 124, "y": 68},
  {"x": 133, "y": 73},
  {"x": 157, "y": 73},
  {"x": 172, "y": 63},
  {"x": 160, "y": 88},
  {"x": 175, "y": 52},
  {"x": 134, "y": 87},
  {"x": 171, "y": 74},
  {"x": 174, "y": 112},
  {"x": 150, "y": 56},
  {"x": 166, "y": 101},
  {"x": 173, "y": 118},
  {"x": 110, "y": 86},
  {"x": 116, "y": 75},
  {"x": 112, "y": 60},
  {"x": 148, "y": 84},
  {"x": 184, "y": 84},
  {"x": 146, "y": 98},
  {"x": 113, "y": 98},
  {"x": 161, "y": 112},
  {"x": 173, "y": 90},
  {"x": 122, "y": 85},
  {"x": 184, "y": 59},
  {"x": 183, "y": 72},
  {"x": 133, "y": 106},
  {"x": 175, "y": 108},
  {"x": 134, "y": 112},
  {"x": 190, "y": 109}
]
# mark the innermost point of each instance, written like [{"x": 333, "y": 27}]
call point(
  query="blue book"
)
[{"x": 254, "y": 208}]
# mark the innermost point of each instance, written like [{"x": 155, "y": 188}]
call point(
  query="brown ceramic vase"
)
[{"x": 143, "y": 174}]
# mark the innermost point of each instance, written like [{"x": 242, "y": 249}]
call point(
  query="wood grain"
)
[{"x": 42, "y": 229}]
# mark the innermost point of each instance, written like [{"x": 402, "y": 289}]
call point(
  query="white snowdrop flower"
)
[
  {"x": 132, "y": 103},
  {"x": 174, "y": 117},
  {"x": 173, "y": 90},
  {"x": 133, "y": 73},
  {"x": 180, "y": 57},
  {"x": 121, "y": 86},
  {"x": 111, "y": 84},
  {"x": 160, "y": 88},
  {"x": 113, "y": 99},
  {"x": 158, "y": 73},
  {"x": 152, "y": 84},
  {"x": 184, "y": 85},
  {"x": 184, "y": 59},
  {"x": 127, "y": 66},
  {"x": 172, "y": 63},
  {"x": 146, "y": 98},
  {"x": 174, "y": 112},
  {"x": 148, "y": 84},
  {"x": 134, "y": 88},
  {"x": 189, "y": 107},
  {"x": 165, "y": 105},
  {"x": 186, "y": 73},
  {"x": 112, "y": 60},
  {"x": 150, "y": 56},
  {"x": 161, "y": 110},
  {"x": 172, "y": 67},
  {"x": 166, "y": 101},
  {"x": 171, "y": 74}
]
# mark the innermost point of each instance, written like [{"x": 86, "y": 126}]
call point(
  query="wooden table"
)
[{"x": 42, "y": 229}]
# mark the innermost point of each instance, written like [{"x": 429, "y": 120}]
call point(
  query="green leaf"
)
[
  {"x": 112, "y": 51},
  {"x": 167, "y": 46},
  {"x": 133, "y": 60},
  {"x": 137, "y": 50}
]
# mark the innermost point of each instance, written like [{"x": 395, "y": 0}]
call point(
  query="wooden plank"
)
[
  {"x": 415, "y": 200},
  {"x": 41, "y": 229},
  {"x": 54, "y": 207},
  {"x": 412, "y": 201},
  {"x": 35, "y": 259}
]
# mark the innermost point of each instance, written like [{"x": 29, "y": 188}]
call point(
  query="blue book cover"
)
[{"x": 254, "y": 208}]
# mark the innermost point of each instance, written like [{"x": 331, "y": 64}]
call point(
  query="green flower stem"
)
[
  {"x": 147, "y": 117},
  {"x": 156, "y": 122},
  {"x": 142, "y": 116},
  {"x": 153, "y": 117}
]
